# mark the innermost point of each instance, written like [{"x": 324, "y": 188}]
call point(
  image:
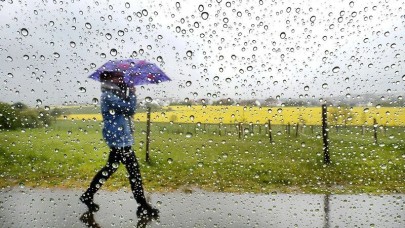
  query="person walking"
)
[{"x": 118, "y": 104}]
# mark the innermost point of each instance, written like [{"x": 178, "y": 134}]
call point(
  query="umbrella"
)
[{"x": 136, "y": 72}]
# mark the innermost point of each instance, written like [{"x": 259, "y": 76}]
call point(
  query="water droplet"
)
[
  {"x": 282, "y": 35},
  {"x": 112, "y": 111},
  {"x": 121, "y": 33},
  {"x": 336, "y": 69},
  {"x": 39, "y": 102},
  {"x": 303, "y": 144},
  {"x": 24, "y": 32},
  {"x": 108, "y": 36},
  {"x": 189, "y": 135},
  {"x": 56, "y": 55},
  {"x": 9, "y": 58},
  {"x": 204, "y": 15},
  {"x": 188, "y": 83},
  {"x": 10, "y": 75},
  {"x": 159, "y": 59},
  {"x": 200, "y": 164},
  {"x": 366, "y": 110},
  {"x": 82, "y": 89},
  {"x": 325, "y": 85},
  {"x": 127, "y": 5},
  {"x": 189, "y": 53},
  {"x": 88, "y": 25},
  {"x": 228, "y": 79},
  {"x": 170, "y": 160},
  {"x": 95, "y": 101},
  {"x": 306, "y": 88},
  {"x": 26, "y": 57},
  {"x": 113, "y": 52},
  {"x": 72, "y": 44},
  {"x": 148, "y": 99},
  {"x": 312, "y": 19}
]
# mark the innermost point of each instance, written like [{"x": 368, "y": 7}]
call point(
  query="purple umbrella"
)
[{"x": 136, "y": 72}]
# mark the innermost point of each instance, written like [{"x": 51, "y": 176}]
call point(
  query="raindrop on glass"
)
[
  {"x": 88, "y": 25},
  {"x": 189, "y": 53},
  {"x": 113, "y": 52},
  {"x": 82, "y": 89},
  {"x": 336, "y": 69},
  {"x": 24, "y": 32},
  {"x": 204, "y": 15},
  {"x": 148, "y": 99},
  {"x": 95, "y": 101}
]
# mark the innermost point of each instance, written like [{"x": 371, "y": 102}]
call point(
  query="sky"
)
[{"x": 211, "y": 49}]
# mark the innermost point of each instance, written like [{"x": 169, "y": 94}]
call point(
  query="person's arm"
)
[{"x": 121, "y": 106}]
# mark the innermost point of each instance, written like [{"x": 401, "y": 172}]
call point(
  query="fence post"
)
[
  {"x": 270, "y": 132},
  {"x": 288, "y": 128},
  {"x": 147, "y": 134},
  {"x": 296, "y": 130},
  {"x": 240, "y": 130},
  {"x": 375, "y": 131},
  {"x": 326, "y": 156}
]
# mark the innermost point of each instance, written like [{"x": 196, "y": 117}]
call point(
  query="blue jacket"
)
[{"x": 117, "y": 118}]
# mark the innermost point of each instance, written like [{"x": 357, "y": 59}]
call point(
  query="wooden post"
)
[
  {"x": 219, "y": 129},
  {"x": 270, "y": 132},
  {"x": 296, "y": 130},
  {"x": 289, "y": 129},
  {"x": 240, "y": 130},
  {"x": 147, "y": 134},
  {"x": 375, "y": 131},
  {"x": 326, "y": 156}
]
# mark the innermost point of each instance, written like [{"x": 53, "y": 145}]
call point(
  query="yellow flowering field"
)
[{"x": 389, "y": 116}]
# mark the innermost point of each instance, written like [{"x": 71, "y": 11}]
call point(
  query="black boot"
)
[
  {"x": 88, "y": 200},
  {"x": 147, "y": 210}
]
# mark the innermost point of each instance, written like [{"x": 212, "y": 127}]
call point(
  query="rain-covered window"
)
[{"x": 204, "y": 113}]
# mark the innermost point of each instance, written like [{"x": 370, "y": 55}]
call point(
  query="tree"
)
[{"x": 20, "y": 106}]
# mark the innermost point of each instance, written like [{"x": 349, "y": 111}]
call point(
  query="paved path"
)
[{"x": 61, "y": 208}]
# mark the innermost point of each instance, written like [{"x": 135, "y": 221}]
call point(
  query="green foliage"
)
[
  {"x": 20, "y": 115},
  {"x": 211, "y": 157}
]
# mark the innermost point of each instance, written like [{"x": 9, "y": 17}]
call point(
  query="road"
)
[{"x": 23, "y": 207}]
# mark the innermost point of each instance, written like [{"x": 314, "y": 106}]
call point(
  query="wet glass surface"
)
[{"x": 61, "y": 208}]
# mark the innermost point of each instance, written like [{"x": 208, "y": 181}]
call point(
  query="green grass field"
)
[{"x": 210, "y": 157}]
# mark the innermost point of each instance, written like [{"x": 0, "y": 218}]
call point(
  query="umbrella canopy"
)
[{"x": 136, "y": 72}]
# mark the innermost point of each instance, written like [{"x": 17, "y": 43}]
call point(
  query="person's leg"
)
[
  {"x": 101, "y": 177},
  {"x": 135, "y": 179}
]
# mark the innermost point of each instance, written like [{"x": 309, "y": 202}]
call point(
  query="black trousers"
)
[{"x": 126, "y": 156}]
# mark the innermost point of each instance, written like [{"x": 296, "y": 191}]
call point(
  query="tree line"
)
[{"x": 19, "y": 115}]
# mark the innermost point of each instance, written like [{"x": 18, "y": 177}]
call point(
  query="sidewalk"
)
[{"x": 61, "y": 208}]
